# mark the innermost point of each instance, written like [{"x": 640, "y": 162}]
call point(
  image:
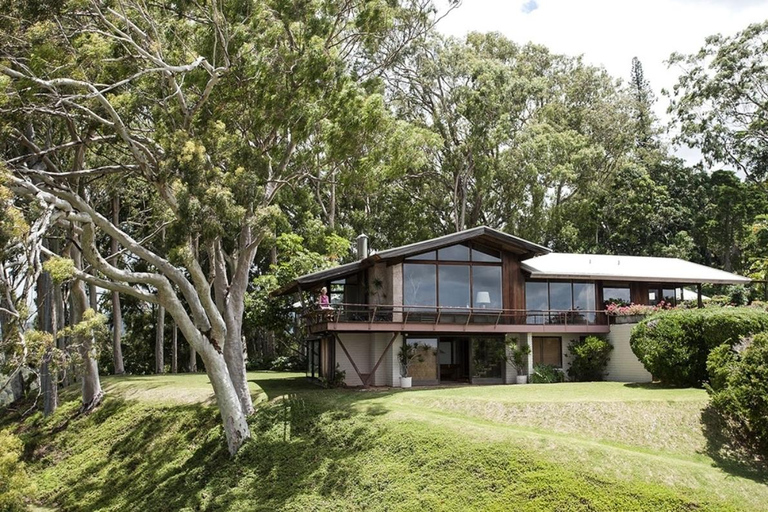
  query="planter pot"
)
[
  {"x": 406, "y": 382},
  {"x": 628, "y": 319},
  {"x": 521, "y": 379}
]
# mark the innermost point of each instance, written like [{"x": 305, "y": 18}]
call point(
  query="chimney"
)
[{"x": 362, "y": 247}]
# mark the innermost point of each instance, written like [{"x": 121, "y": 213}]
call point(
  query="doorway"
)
[{"x": 454, "y": 359}]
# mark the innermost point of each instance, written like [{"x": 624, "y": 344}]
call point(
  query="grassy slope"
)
[{"x": 597, "y": 446}]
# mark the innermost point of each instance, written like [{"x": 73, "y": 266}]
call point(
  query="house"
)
[{"x": 462, "y": 294}]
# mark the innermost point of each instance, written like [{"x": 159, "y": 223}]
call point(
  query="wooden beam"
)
[
  {"x": 381, "y": 358},
  {"x": 360, "y": 375},
  {"x": 700, "y": 302}
]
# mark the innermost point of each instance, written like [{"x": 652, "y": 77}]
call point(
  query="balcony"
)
[{"x": 398, "y": 318}]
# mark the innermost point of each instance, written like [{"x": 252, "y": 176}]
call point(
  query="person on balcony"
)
[{"x": 325, "y": 302}]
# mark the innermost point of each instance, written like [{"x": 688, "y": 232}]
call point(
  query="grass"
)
[{"x": 156, "y": 444}]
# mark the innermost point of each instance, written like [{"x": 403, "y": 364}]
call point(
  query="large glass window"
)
[
  {"x": 617, "y": 294},
  {"x": 419, "y": 285},
  {"x": 584, "y": 302},
  {"x": 423, "y": 367},
  {"x": 453, "y": 283},
  {"x": 537, "y": 301},
  {"x": 487, "y": 286},
  {"x": 461, "y": 276},
  {"x": 487, "y": 357}
]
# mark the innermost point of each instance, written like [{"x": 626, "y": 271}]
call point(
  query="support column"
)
[{"x": 699, "y": 301}]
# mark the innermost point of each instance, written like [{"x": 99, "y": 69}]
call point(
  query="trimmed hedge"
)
[
  {"x": 739, "y": 391},
  {"x": 589, "y": 358},
  {"x": 674, "y": 345}
]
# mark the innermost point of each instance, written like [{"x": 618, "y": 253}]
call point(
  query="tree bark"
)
[
  {"x": 159, "y": 340},
  {"x": 46, "y": 320},
  {"x": 192, "y": 359},
  {"x": 92, "y": 393},
  {"x": 175, "y": 350},
  {"x": 117, "y": 314}
]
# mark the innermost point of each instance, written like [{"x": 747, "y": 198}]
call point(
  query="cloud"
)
[{"x": 529, "y": 6}]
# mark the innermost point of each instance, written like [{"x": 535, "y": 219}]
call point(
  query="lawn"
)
[{"x": 156, "y": 444}]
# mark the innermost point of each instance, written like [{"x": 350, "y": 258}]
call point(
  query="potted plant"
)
[
  {"x": 409, "y": 354},
  {"x": 520, "y": 361}
]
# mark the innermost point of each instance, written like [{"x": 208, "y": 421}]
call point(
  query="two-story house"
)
[{"x": 462, "y": 294}]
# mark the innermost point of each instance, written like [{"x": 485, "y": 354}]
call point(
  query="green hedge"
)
[
  {"x": 589, "y": 359},
  {"x": 739, "y": 390},
  {"x": 674, "y": 345}
]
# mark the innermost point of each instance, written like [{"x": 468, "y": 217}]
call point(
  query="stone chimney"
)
[{"x": 362, "y": 247}]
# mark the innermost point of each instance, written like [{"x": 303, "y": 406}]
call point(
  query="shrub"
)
[
  {"x": 287, "y": 364},
  {"x": 589, "y": 358},
  {"x": 15, "y": 486},
  {"x": 546, "y": 374},
  {"x": 739, "y": 393},
  {"x": 338, "y": 379},
  {"x": 674, "y": 345}
]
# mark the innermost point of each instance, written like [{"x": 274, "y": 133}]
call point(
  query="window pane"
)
[
  {"x": 487, "y": 287},
  {"x": 560, "y": 296},
  {"x": 547, "y": 351},
  {"x": 454, "y": 285},
  {"x": 487, "y": 357},
  {"x": 669, "y": 295},
  {"x": 424, "y": 365},
  {"x": 431, "y": 256},
  {"x": 617, "y": 295},
  {"x": 419, "y": 285},
  {"x": 584, "y": 300},
  {"x": 483, "y": 254},
  {"x": 454, "y": 253},
  {"x": 536, "y": 299}
]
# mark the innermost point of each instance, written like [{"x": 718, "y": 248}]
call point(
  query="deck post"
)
[{"x": 699, "y": 301}]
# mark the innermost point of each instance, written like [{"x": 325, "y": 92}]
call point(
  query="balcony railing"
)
[{"x": 377, "y": 313}]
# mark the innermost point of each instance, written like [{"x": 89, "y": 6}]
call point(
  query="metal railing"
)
[{"x": 377, "y": 313}]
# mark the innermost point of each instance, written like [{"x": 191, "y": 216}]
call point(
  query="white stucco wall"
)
[
  {"x": 365, "y": 349},
  {"x": 624, "y": 365}
]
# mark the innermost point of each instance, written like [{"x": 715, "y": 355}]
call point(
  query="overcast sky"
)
[{"x": 609, "y": 33}]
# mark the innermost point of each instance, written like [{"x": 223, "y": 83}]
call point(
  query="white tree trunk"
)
[
  {"x": 117, "y": 314},
  {"x": 91, "y": 383},
  {"x": 159, "y": 340},
  {"x": 175, "y": 349}
]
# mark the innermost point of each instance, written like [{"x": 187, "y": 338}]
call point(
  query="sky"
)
[{"x": 609, "y": 33}]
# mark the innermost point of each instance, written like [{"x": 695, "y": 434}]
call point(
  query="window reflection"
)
[
  {"x": 454, "y": 285},
  {"x": 419, "y": 285},
  {"x": 487, "y": 287},
  {"x": 616, "y": 294},
  {"x": 536, "y": 299}
]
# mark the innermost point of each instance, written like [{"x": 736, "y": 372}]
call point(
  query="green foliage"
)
[
  {"x": 16, "y": 488},
  {"x": 547, "y": 374},
  {"x": 709, "y": 99},
  {"x": 337, "y": 381},
  {"x": 674, "y": 345},
  {"x": 519, "y": 356},
  {"x": 589, "y": 359},
  {"x": 739, "y": 393},
  {"x": 61, "y": 269},
  {"x": 287, "y": 364},
  {"x": 316, "y": 449}
]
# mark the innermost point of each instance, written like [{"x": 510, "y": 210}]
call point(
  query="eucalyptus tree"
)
[
  {"x": 720, "y": 101},
  {"x": 522, "y": 132},
  {"x": 209, "y": 110}
]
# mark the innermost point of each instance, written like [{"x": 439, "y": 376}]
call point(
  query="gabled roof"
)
[
  {"x": 626, "y": 268},
  {"x": 508, "y": 242}
]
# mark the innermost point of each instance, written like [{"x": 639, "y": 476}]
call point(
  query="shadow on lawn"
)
[
  {"x": 729, "y": 453},
  {"x": 172, "y": 457}
]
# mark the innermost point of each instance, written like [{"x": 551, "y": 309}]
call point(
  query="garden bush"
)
[
  {"x": 546, "y": 374},
  {"x": 15, "y": 485},
  {"x": 589, "y": 358},
  {"x": 674, "y": 345},
  {"x": 739, "y": 393}
]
